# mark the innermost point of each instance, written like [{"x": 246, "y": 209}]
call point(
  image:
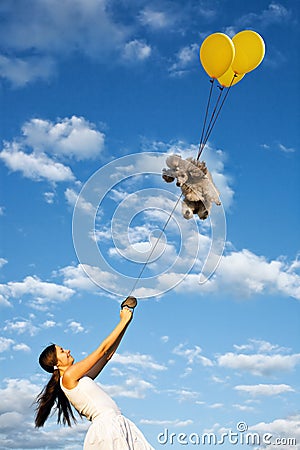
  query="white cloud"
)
[
  {"x": 61, "y": 28},
  {"x": 279, "y": 146},
  {"x": 20, "y": 71},
  {"x": 36, "y": 166},
  {"x": 261, "y": 346},
  {"x": 21, "y": 389},
  {"x": 155, "y": 19},
  {"x": 139, "y": 360},
  {"x": 243, "y": 407},
  {"x": 136, "y": 51},
  {"x": 275, "y": 13},
  {"x": 37, "y": 151},
  {"x": 73, "y": 137},
  {"x": 177, "y": 423},
  {"x": 5, "y": 344},
  {"x": 41, "y": 293},
  {"x": 16, "y": 420},
  {"x": 75, "y": 327},
  {"x": 185, "y": 59},
  {"x": 259, "y": 364},
  {"x": 186, "y": 395},
  {"x": 48, "y": 324},
  {"x": 216, "y": 405},
  {"x": 193, "y": 355},
  {"x": 49, "y": 197},
  {"x": 244, "y": 274},
  {"x": 22, "y": 347},
  {"x": 288, "y": 428},
  {"x": 131, "y": 388},
  {"x": 264, "y": 389},
  {"x": 20, "y": 327},
  {"x": 3, "y": 261},
  {"x": 75, "y": 277},
  {"x": 251, "y": 274},
  {"x": 73, "y": 198},
  {"x": 285, "y": 149}
]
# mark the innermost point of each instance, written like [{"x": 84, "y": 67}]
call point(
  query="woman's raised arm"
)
[{"x": 103, "y": 351}]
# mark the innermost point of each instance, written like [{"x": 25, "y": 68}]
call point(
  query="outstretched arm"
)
[
  {"x": 103, "y": 352},
  {"x": 96, "y": 369}
]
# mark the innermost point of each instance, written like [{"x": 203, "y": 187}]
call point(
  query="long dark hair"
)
[{"x": 52, "y": 392}]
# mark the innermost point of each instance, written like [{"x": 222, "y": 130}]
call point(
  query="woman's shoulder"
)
[{"x": 69, "y": 384}]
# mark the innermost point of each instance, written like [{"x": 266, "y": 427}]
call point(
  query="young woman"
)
[{"x": 73, "y": 383}]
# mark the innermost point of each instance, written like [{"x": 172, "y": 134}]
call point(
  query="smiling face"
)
[{"x": 64, "y": 357}]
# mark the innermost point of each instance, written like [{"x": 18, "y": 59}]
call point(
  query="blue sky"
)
[{"x": 94, "y": 95}]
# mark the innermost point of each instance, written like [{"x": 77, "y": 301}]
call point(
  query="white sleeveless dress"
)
[{"x": 109, "y": 430}]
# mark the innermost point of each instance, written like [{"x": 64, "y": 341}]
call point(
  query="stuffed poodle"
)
[{"x": 196, "y": 183}]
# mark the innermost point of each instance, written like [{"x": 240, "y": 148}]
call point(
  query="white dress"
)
[{"x": 109, "y": 430}]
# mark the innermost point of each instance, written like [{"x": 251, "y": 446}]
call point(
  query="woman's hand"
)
[{"x": 125, "y": 315}]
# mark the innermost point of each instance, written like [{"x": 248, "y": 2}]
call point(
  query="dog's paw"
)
[
  {"x": 203, "y": 215},
  {"x": 188, "y": 215}
]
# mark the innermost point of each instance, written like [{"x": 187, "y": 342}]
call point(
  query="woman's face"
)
[{"x": 64, "y": 357}]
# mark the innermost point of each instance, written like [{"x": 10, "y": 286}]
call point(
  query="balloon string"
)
[
  {"x": 155, "y": 245},
  {"x": 213, "y": 115},
  {"x": 201, "y": 147},
  {"x": 206, "y": 114},
  {"x": 213, "y": 122}
]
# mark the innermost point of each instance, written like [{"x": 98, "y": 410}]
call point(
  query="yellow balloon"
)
[
  {"x": 216, "y": 54},
  {"x": 249, "y": 51},
  {"x": 229, "y": 78}
]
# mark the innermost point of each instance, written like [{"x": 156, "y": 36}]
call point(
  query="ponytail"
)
[{"x": 52, "y": 394}]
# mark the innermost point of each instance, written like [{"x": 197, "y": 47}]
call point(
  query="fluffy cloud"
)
[
  {"x": 138, "y": 360},
  {"x": 71, "y": 137},
  {"x": 193, "y": 355},
  {"x": 6, "y": 344},
  {"x": 155, "y": 19},
  {"x": 168, "y": 423},
  {"x": 131, "y": 388},
  {"x": 16, "y": 420},
  {"x": 37, "y": 151},
  {"x": 287, "y": 428},
  {"x": 244, "y": 274},
  {"x": 3, "y": 261},
  {"x": 53, "y": 30},
  {"x": 264, "y": 389},
  {"x": 73, "y": 199},
  {"x": 20, "y": 71},
  {"x": 136, "y": 51},
  {"x": 41, "y": 293},
  {"x": 36, "y": 166},
  {"x": 259, "y": 364},
  {"x": 75, "y": 327},
  {"x": 274, "y": 13},
  {"x": 20, "y": 327},
  {"x": 75, "y": 277},
  {"x": 184, "y": 60}
]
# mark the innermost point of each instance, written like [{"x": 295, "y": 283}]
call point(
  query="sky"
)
[{"x": 94, "y": 95}]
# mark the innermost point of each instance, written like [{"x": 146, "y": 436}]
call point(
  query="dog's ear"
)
[{"x": 167, "y": 178}]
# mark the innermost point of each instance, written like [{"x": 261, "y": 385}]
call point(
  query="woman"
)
[{"x": 72, "y": 383}]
